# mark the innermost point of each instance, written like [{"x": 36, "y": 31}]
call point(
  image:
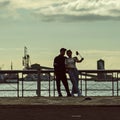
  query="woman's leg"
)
[
  {"x": 76, "y": 73},
  {"x": 73, "y": 80}
]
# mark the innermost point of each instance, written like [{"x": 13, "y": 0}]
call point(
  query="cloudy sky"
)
[{"x": 44, "y": 26}]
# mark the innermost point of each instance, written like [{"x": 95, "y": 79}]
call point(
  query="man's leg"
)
[
  {"x": 58, "y": 86},
  {"x": 65, "y": 83}
]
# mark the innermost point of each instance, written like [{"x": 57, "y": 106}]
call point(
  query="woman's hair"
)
[{"x": 69, "y": 51}]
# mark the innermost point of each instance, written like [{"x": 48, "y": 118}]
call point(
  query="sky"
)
[{"x": 44, "y": 26}]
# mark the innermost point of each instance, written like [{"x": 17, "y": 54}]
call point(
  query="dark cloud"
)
[
  {"x": 74, "y": 18},
  {"x": 115, "y": 11},
  {"x": 76, "y": 10},
  {"x": 65, "y": 11},
  {"x": 83, "y": 9},
  {"x": 4, "y": 4}
]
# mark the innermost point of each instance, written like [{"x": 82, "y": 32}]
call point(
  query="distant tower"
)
[
  {"x": 100, "y": 64},
  {"x": 26, "y": 59}
]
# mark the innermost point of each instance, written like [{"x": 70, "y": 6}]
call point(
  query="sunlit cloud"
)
[{"x": 62, "y": 10}]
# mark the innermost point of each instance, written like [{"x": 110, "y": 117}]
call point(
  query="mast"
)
[{"x": 11, "y": 65}]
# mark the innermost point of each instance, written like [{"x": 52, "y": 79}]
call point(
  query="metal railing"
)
[
  {"x": 89, "y": 81},
  {"x": 108, "y": 77},
  {"x": 15, "y": 80}
]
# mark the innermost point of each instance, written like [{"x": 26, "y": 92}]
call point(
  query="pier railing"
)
[
  {"x": 100, "y": 82},
  {"x": 42, "y": 83}
]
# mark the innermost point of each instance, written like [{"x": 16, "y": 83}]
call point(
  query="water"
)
[{"x": 93, "y": 89}]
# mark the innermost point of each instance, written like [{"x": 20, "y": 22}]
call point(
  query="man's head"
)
[{"x": 62, "y": 51}]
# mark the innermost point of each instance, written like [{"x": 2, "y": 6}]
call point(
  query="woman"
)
[{"x": 70, "y": 63}]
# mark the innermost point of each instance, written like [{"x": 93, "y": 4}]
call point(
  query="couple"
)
[{"x": 61, "y": 64}]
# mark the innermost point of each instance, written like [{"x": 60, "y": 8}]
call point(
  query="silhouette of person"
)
[
  {"x": 60, "y": 72},
  {"x": 70, "y": 63}
]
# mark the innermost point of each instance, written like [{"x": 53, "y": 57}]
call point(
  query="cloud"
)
[
  {"x": 77, "y": 10},
  {"x": 4, "y": 4},
  {"x": 64, "y": 10}
]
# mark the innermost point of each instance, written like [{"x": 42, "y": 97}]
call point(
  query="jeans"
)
[{"x": 73, "y": 73}]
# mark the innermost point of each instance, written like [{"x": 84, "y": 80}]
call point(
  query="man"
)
[{"x": 60, "y": 72}]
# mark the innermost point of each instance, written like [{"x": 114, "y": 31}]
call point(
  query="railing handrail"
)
[
  {"x": 35, "y": 71},
  {"x": 18, "y": 71}
]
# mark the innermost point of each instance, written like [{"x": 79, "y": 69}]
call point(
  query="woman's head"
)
[{"x": 69, "y": 53}]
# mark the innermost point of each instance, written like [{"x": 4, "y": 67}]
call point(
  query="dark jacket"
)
[{"x": 59, "y": 64}]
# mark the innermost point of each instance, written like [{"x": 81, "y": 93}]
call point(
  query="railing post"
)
[
  {"x": 85, "y": 85},
  {"x": 18, "y": 84},
  {"x": 22, "y": 85},
  {"x": 112, "y": 85},
  {"x": 117, "y": 85},
  {"x": 54, "y": 85},
  {"x": 81, "y": 83},
  {"x": 49, "y": 85},
  {"x": 39, "y": 84}
]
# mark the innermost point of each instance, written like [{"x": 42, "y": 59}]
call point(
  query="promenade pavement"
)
[{"x": 60, "y": 108}]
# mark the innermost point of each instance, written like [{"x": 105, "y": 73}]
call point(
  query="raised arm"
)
[{"x": 78, "y": 61}]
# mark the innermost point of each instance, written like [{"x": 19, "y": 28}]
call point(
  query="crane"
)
[{"x": 26, "y": 59}]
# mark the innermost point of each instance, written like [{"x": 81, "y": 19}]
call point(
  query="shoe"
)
[
  {"x": 80, "y": 95},
  {"x": 72, "y": 95},
  {"x": 69, "y": 95},
  {"x": 60, "y": 95}
]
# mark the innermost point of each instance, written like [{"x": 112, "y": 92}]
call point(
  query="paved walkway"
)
[
  {"x": 64, "y": 108},
  {"x": 61, "y": 101}
]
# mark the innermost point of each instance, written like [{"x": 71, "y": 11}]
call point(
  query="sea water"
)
[{"x": 28, "y": 89}]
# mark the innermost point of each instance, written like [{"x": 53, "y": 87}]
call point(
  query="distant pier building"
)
[{"x": 101, "y": 66}]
